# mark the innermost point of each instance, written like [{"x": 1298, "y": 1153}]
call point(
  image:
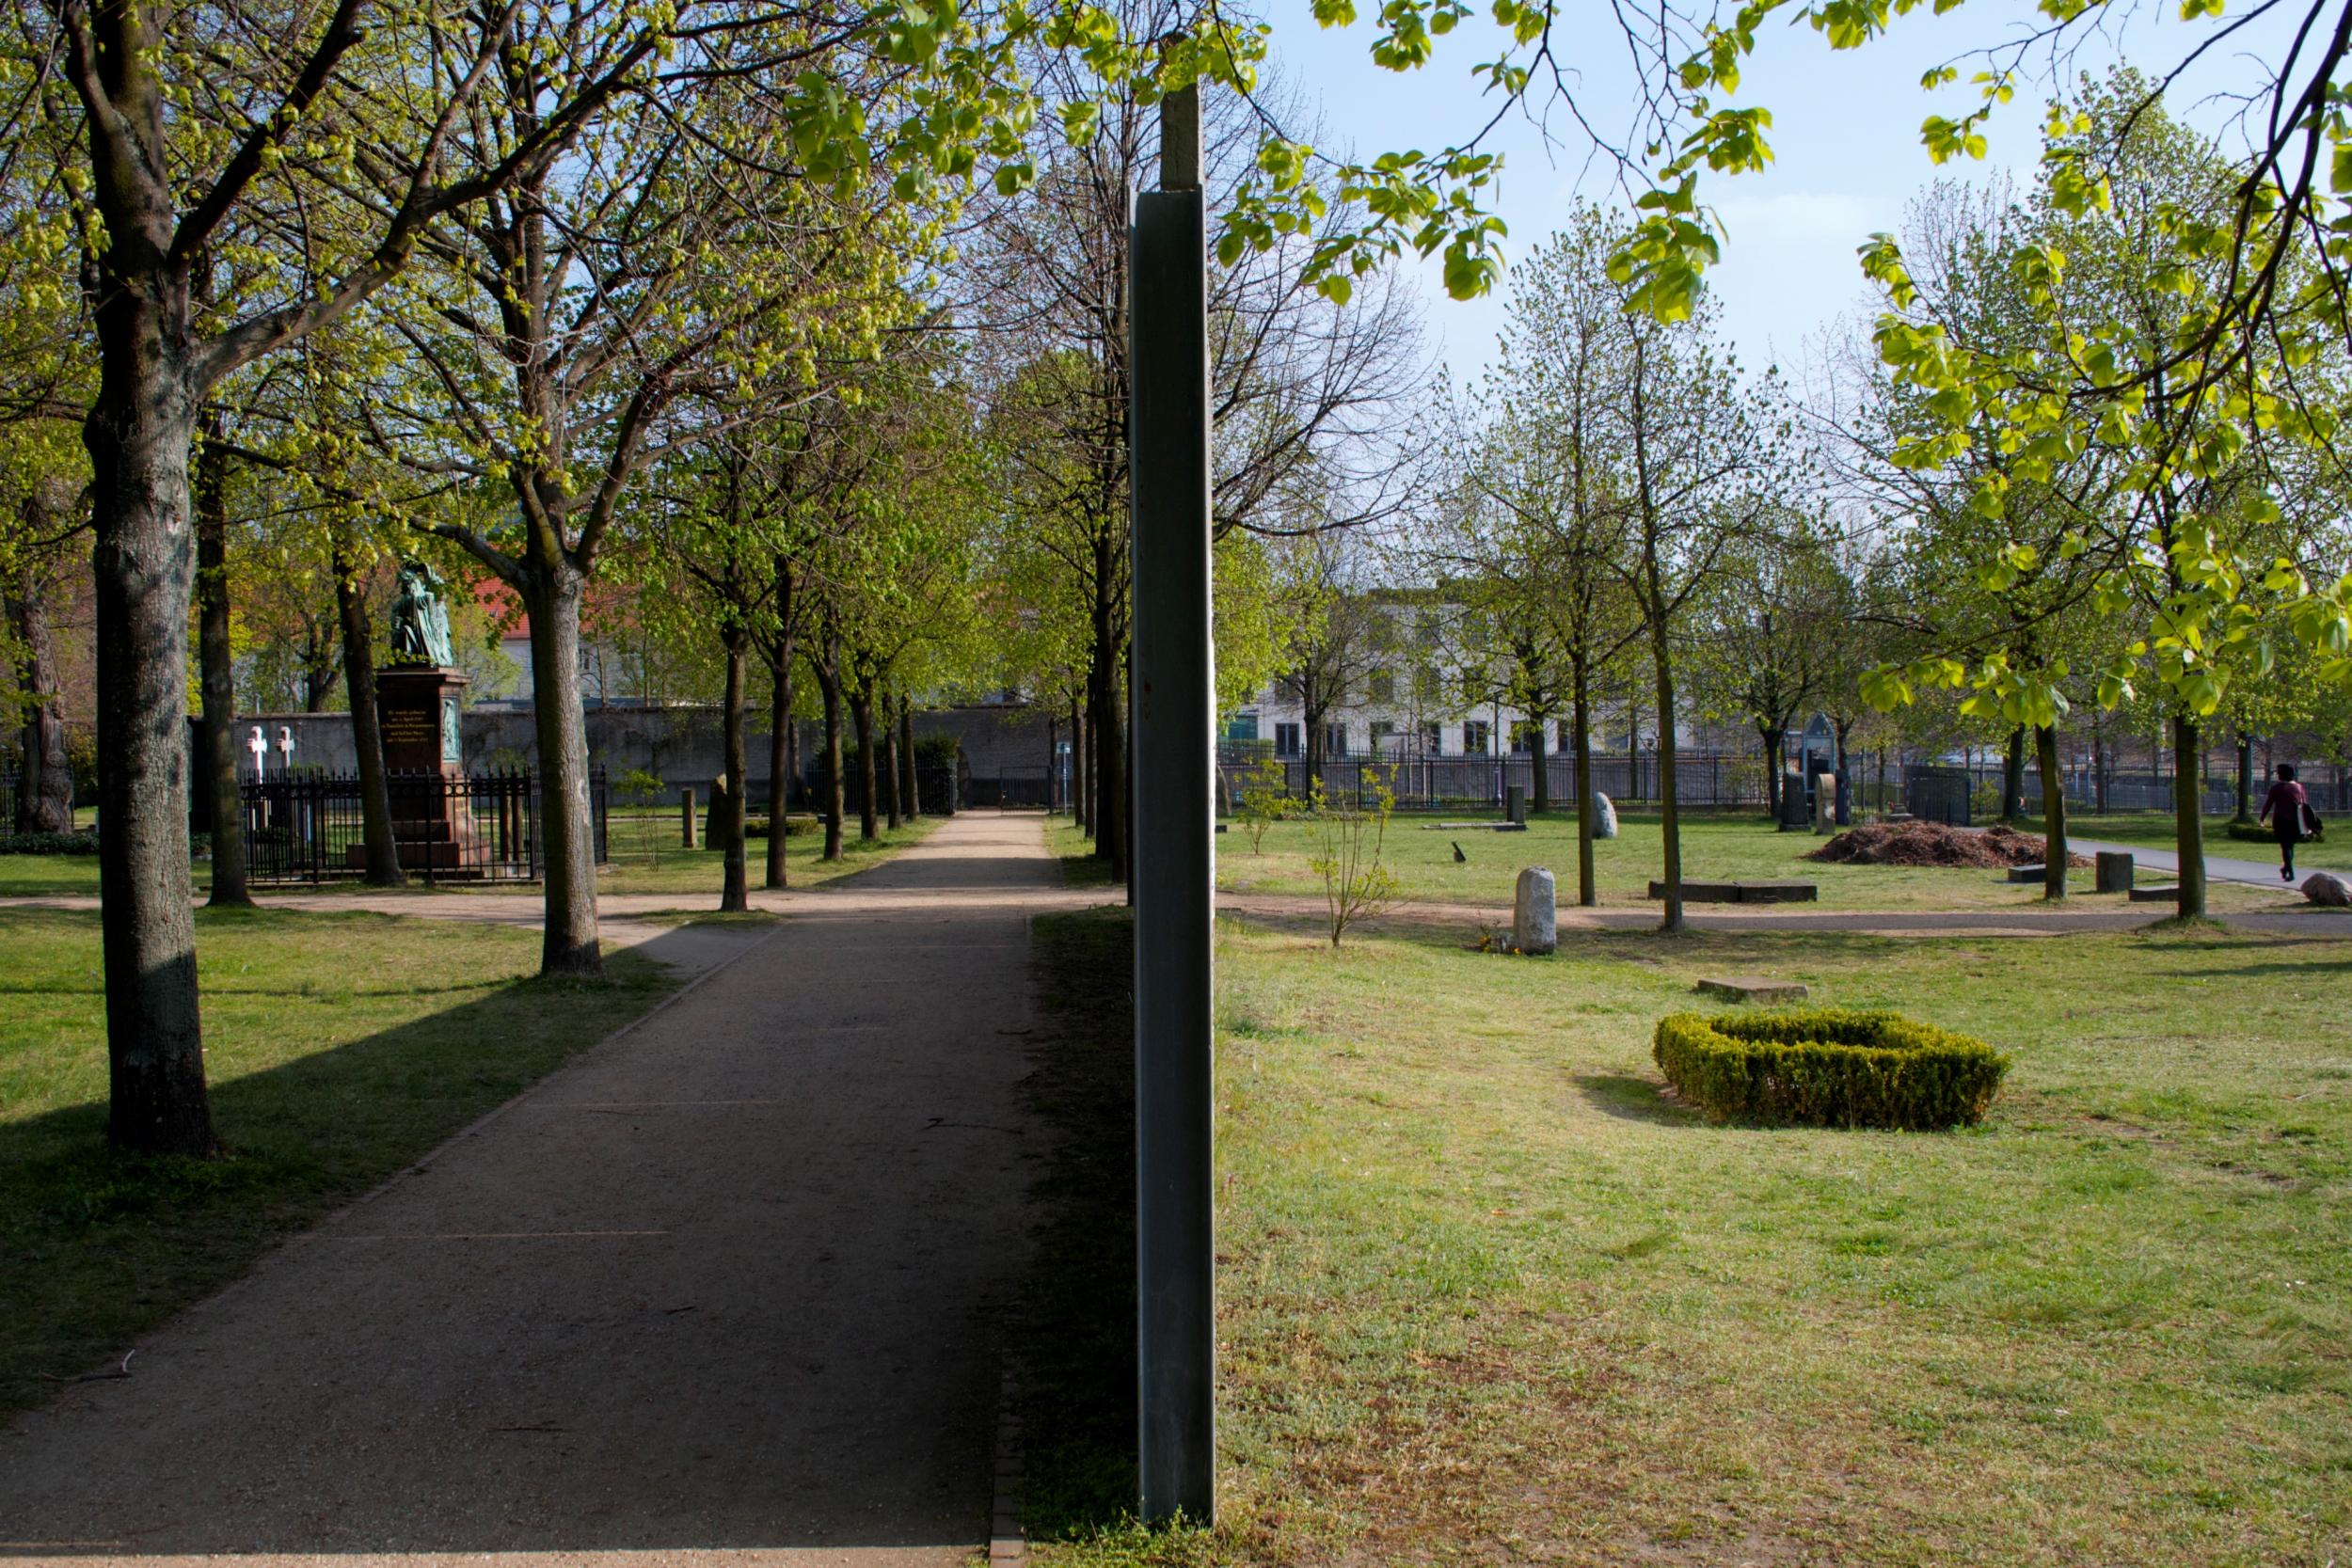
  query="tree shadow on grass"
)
[
  {"x": 1629, "y": 1099},
  {"x": 1076, "y": 1334}
]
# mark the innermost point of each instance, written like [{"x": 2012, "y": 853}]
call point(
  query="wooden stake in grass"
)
[{"x": 1356, "y": 885}]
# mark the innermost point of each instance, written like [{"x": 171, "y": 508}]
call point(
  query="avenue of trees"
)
[{"x": 801, "y": 328}]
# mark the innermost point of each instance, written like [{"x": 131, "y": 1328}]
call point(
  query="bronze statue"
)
[{"x": 420, "y": 620}]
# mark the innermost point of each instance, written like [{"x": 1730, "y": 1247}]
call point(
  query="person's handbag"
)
[{"x": 2313, "y": 825}]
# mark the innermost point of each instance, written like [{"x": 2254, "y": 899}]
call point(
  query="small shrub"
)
[
  {"x": 2255, "y": 832},
  {"x": 1266, "y": 800},
  {"x": 83, "y": 843},
  {"x": 1824, "y": 1067},
  {"x": 795, "y": 824},
  {"x": 1349, "y": 844}
]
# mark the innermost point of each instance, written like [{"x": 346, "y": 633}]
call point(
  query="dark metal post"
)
[{"x": 1175, "y": 803}]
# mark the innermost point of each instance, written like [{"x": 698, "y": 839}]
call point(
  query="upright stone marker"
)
[
  {"x": 1604, "y": 815},
  {"x": 1824, "y": 805},
  {"x": 1535, "y": 912},
  {"x": 1175, "y": 803},
  {"x": 1515, "y": 804},
  {"x": 686, "y": 817},
  {"x": 2115, "y": 871}
]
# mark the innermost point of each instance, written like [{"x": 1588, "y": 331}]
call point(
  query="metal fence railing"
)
[
  {"x": 487, "y": 827},
  {"x": 1479, "y": 784}
]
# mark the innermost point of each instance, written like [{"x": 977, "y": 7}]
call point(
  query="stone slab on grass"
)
[
  {"x": 2025, "y": 873},
  {"x": 2169, "y": 893},
  {"x": 1742, "y": 893},
  {"x": 1752, "y": 987}
]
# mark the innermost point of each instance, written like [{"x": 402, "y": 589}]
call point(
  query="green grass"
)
[
  {"x": 1489, "y": 1294},
  {"x": 1713, "y": 847},
  {"x": 339, "y": 1047},
  {"x": 2155, "y": 830},
  {"x": 1076, "y": 850}
]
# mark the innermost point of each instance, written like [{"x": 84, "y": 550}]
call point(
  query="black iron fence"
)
[
  {"x": 1478, "y": 783},
  {"x": 487, "y": 827}
]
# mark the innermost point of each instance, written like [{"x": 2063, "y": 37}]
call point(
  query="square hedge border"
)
[{"x": 1828, "y": 1067}]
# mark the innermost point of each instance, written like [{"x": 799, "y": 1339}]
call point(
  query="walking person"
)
[{"x": 2283, "y": 808}]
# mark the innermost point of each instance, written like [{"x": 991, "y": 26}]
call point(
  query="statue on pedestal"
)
[{"x": 420, "y": 620}]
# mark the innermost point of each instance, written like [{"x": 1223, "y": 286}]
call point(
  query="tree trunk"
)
[
  {"x": 1772, "y": 775},
  {"x": 2013, "y": 777},
  {"x": 734, "y": 892},
  {"x": 569, "y": 945},
  {"x": 780, "y": 760},
  {"x": 2189, "y": 820},
  {"x": 367, "y": 732},
  {"x": 862, "y": 715},
  {"x": 1081, "y": 770},
  {"x": 2053, "y": 816},
  {"x": 910, "y": 790},
  {"x": 1108, "y": 727},
  {"x": 831, "y": 802},
  {"x": 1669, "y": 813},
  {"x": 889, "y": 763},
  {"x": 1588, "y": 889},
  {"x": 216, "y": 672},
  {"x": 1539, "y": 781},
  {"x": 320, "y": 669},
  {"x": 45, "y": 785},
  {"x": 143, "y": 567}
]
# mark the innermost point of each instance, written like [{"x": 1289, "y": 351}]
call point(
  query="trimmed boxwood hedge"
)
[
  {"x": 84, "y": 842},
  {"x": 1827, "y": 1067}
]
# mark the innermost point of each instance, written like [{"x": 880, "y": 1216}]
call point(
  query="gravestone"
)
[
  {"x": 1824, "y": 805},
  {"x": 686, "y": 816},
  {"x": 1535, "y": 912},
  {"x": 1792, "y": 802},
  {"x": 2115, "y": 871},
  {"x": 1604, "y": 815},
  {"x": 1515, "y": 804}
]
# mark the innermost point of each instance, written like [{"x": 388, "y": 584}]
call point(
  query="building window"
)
[
  {"x": 1335, "y": 740},
  {"x": 1383, "y": 687},
  {"x": 1286, "y": 741},
  {"x": 1474, "y": 735},
  {"x": 1524, "y": 737},
  {"x": 1385, "y": 741},
  {"x": 1425, "y": 684},
  {"x": 1433, "y": 738},
  {"x": 1242, "y": 726}
]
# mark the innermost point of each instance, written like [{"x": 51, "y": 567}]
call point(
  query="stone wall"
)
[{"x": 678, "y": 745}]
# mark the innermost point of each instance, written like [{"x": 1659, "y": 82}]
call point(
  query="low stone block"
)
[
  {"x": 2115, "y": 871},
  {"x": 2325, "y": 887},
  {"x": 2169, "y": 893},
  {"x": 1752, "y": 987},
  {"x": 2025, "y": 873},
  {"x": 1535, "y": 912},
  {"x": 1742, "y": 893}
]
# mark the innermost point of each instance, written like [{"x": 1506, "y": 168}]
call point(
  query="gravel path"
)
[{"x": 722, "y": 1290}]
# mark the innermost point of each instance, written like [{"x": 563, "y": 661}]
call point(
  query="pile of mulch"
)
[{"x": 1933, "y": 844}]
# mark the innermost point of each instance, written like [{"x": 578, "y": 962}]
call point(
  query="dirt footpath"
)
[{"x": 722, "y": 1290}]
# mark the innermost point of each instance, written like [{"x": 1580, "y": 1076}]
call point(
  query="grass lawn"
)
[
  {"x": 1725, "y": 848},
  {"x": 339, "y": 1047},
  {"x": 1079, "y": 868},
  {"x": 1488, "y": 1296},
  {"x": 2155, "y": 830},
  {"x": 643, "y": 861}
]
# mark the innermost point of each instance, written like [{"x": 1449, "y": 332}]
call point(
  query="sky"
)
[{"x": 1845, "y": 131}]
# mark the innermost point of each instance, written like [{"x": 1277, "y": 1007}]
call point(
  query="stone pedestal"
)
[
  {"x": 418, "y": 710},
  {"x": 1535, "y": 912},
  {"x": 1515, "y": 804},
  {"x": 2115, "y": 871}
]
